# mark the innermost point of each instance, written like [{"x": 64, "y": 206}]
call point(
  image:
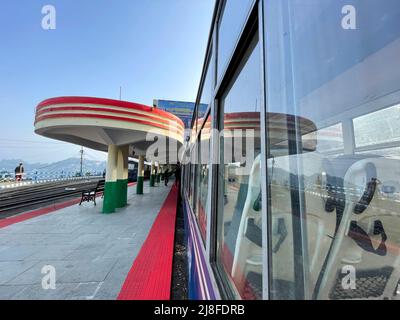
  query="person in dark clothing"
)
[
  {"x": 166, "y": 177},
  {"x": 19, "y": 171}
]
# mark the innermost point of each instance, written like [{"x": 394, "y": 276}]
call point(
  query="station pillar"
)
[
  {"x": 140, "y": 176},
  {"x": 110, "y": 186},
  {"x": 158, "y": 173},
  {"x": 152, "y": 174},
  {"x": 162, "y": 173},
  {"x": 122, "y": 177}
]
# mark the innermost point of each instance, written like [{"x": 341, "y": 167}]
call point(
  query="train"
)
[
  {"x": 291, "y": 180},
  {"x": 133, "y": 170}
]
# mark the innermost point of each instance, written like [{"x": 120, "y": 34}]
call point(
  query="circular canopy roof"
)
[{"x": 96, "y": 123}]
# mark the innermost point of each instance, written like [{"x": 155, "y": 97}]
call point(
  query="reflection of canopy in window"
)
[
  {"x": 242, "y": 120},
  {"x": 281, "y": 126},
  {"x": 329, "y": 139}
]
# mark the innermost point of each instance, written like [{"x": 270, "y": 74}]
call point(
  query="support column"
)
[
  {"x": 158, "y": 173},
  {"x": 140, "y": 176},
  {"x": 162, "y": 173},
  {"x": 122, "y": 177},
  {"x": 152, "y": 174},
  {"x": 110, "y": 187}
]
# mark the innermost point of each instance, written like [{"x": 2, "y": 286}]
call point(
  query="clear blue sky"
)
[{"x": 152, "y": 48}]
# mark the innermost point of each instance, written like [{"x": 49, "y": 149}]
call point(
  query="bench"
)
[{"x": 90, "y": 194}]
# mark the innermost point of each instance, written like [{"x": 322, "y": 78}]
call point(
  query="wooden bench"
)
[{"x": 90, "y": 195}]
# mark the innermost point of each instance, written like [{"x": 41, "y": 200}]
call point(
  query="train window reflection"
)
[
  {"x": 204, "y": 169},
  {"x": 192, "y": 191},
  {"x": 239, "y": 214},
  {"x": 329, "y": 139},
  {"x": 334, "y": 210},
  {"x": 382, "y": 126}
]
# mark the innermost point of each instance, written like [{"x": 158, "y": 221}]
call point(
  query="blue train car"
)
[{"x": 291, "y": 183}]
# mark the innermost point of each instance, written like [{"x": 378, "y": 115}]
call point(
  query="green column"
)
[
  {"x": 162, "y": 173},
  {"x": 122, "y": 177},
  {"x": 110, "y": 187},
  {"x": 121, "y": 198},
  {"x": 140, "y": 178},
  {"x": 159, "y": 174}
]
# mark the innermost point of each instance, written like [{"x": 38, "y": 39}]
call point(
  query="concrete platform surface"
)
[{"x": 91, "y": 252}]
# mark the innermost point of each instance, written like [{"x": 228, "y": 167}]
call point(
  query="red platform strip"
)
[
  {"x": 39, "y": 212},
  {"x": 151, "y": 272}
]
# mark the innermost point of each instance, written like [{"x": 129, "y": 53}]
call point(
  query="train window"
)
[
  {"x": 192, "y": 176},
  {"x": 195, "y": 168},
  {"x": 206, "y": 94},
  {"x": 382, "y": 126},
  {"x": 187, "y": 182},
  {"x": 204, "y": 169},
  {"x": 229, "y": 27},
  {"x": 334, "y": 193},
  {"x": 196, "y": 165},
  {"x": 239, "y": 247}
]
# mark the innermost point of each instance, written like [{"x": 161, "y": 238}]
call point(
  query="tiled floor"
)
[{"x": 92, "y": 253}]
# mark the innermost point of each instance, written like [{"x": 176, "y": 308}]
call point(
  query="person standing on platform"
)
[
  {"x": 166, "y": 177},
  {"x": 19, "y": 171}
]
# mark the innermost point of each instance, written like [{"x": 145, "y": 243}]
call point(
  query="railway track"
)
[{"x": 15, "y": 200}]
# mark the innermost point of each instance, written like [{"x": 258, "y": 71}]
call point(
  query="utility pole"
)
[
  {"x": 120, "y": 93},
  {"x": 81, "y": 161}
]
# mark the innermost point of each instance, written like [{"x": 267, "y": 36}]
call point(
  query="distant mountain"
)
[{"x": 67, "y": 167}]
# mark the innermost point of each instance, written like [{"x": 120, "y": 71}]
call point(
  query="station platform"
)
[{"x": 95, "y": 255}]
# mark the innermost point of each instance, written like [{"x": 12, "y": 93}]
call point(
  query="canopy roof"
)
[{"x": 96, "y": 123}]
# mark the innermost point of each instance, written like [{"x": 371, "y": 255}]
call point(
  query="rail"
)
[
  {"x": 30, "y": 195},
  {"x": 10, "y": 185}
]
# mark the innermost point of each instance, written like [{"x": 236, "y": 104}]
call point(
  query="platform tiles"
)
[{"x": 92, "y": 253}]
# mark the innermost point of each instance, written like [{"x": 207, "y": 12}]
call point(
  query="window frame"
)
[
  {"x": 252, "y": 25},
  {"x": 230, "y": 59},
  {"x": 199, "y": 158}
]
